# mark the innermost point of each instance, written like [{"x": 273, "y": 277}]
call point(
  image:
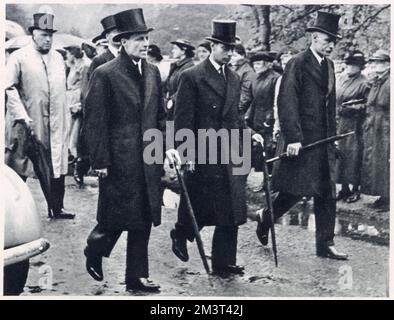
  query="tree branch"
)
[{"x": 363, "y": 24}]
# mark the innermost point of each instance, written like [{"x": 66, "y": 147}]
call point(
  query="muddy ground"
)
[{"x": 363, "y": 234}]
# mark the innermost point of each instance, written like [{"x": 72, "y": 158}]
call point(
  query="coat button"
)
[{"x": 214, "y": 107}]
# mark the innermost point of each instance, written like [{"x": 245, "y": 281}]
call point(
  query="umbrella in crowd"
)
[{"x": 60, "y": 40}]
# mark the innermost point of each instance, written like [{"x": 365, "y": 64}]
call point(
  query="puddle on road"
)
[{"x": 348, "y": 226}]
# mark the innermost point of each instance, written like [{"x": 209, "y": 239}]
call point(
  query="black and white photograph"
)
[{"x": 185, "y": 150}]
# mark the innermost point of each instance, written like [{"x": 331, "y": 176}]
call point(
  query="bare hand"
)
[
  {"x": 173, "y": 158},
  {"x": 258, "y": 138},
  {"x": 293, "y": 149},
  {"x": 190, "y": 166},
  {"x": 102, "y": 173}
]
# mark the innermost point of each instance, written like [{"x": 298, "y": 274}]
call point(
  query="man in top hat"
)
[
  {"x": 110, "y": 30},
  {"x": 307, "y": 107},
  {"x": 183, "y": 52},
  {"x": 208, "y": 98},
  {"x": 36, "y": 94},
  {"x": 375, "y": 172},
  {"x": 124, "y": 100}
]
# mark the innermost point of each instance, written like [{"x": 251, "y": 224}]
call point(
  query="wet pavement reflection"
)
[{"x": 346, "y": 225}]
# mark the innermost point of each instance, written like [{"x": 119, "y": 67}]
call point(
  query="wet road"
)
[{"x": 61, "y": 270}]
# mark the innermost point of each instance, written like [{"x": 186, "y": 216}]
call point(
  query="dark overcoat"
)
[
  {"x": 375, "y": 173},
  {"x": 307, "y": 111},
  {"x": 206, "y": 101},
  {"x": 120, "y": 107}
]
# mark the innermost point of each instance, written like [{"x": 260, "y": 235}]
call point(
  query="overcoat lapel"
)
[{"x": 212, "y": 79}]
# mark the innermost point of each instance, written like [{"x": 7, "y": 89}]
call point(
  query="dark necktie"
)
[
  {"x": 324, "y": 72},
  {"x": 221, "y": 73}
]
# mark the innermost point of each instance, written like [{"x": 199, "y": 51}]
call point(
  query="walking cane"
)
[
  {"x": 190, "y": 211},
  {"x": 267, "y": 190}
]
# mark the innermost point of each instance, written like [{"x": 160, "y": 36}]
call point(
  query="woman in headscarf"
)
[
  {"x": 183, "y": 52},
  {"x": 352, "y": 91}
]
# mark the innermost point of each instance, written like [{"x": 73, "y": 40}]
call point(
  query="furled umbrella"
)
[{"x": 40, "y": 156}]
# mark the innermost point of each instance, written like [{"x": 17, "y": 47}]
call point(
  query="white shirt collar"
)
[
  {"x": 138, "y": 64},
  {"x": 216, "y": 65},
  {"x": 317, "y": 56}
]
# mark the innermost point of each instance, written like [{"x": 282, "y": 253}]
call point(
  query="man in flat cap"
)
[
  {"x": 306, "y": 107},
  {"x": 36, "y": 95},
  {"x": 124, "y": 100},
  {"x": 208, "y": 98}
]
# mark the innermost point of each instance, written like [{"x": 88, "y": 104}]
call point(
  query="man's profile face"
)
[
  {"x": 222, "y": 53},
  {"x": 43, "y": 40},
  {"x": 136, "y": 45},
  {"x": 323, "y": 43}
]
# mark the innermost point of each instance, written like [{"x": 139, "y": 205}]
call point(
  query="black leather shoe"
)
[
  {"x": 262, "y": 230},
  {"x": 332, "y": 253},
  {"x": 94, "y": 265},
  {"x": 179, "y": 247},
  {"x": 62, "y": 214},
  {"x": 142, "y": 284},
  {"x": 232, "y": 269}
]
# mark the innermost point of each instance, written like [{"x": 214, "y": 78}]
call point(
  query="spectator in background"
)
[
  {"x": 155, "y": 57},
  {"x": 203, "y": 51},
  {"x": 352, "y": 91},
  {"x": 78, "y": 67},
  {"x": 375, "y": 173},
  {"x": 260, "y": 117},
  {"x": 183, "y": 52},
  {"x": 241, "y": 66}
]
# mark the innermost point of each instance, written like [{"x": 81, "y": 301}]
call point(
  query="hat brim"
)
[
  {"x": 31, "y": 29},
  {"x": 378, "y": 59},
  {"x": 221, "y": 41},
  {"x": 181, "y": 44},
  {"x": 311, "y": 29},
  {"x": 355, "y": 62},
  {"x": 117, "y": 37}
]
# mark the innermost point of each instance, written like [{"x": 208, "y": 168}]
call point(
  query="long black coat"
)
[
  {"x": 118, "y": 112},
  {"x": 205, "y": 101},
  {"x": 307, "y": 114}
]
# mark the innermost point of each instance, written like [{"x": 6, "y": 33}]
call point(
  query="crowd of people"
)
[{"x": 90, "y": 111}]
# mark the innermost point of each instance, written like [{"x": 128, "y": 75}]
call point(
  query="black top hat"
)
[
  {"x": 355, "y": 58},
  {"x": 108, "y": 24},
  {"x": 183, "y": 44},
  {"x": 264, "y": 56},
  {"x": 42, "y": 21},
  {"x": 223, "y": 31},
  {"x": 326, "y": 23},
  {"x": 130, "y": 21},
  {"x": 155, "y": 52}
]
